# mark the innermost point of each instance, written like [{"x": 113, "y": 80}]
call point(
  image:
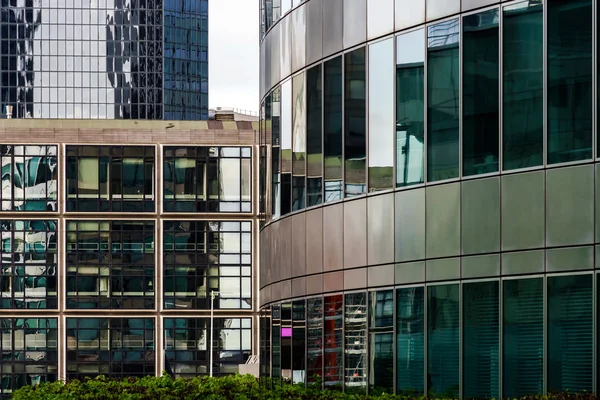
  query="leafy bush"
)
[{"x": 238, "y": 387}]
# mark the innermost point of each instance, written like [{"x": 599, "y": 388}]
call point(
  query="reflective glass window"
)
[
  {"x": 314, "y": 339},
  {"x": 188, "y": 345},
  {"x": 113, "y": 347},
  {"x": 286, "y": 147},
  {"x": 314, "y": 136},
  {"x": 29, "y": 178},
  {"x": 28, "y": 263},
  {"x": 298, "y": 341},
  {"x": 381, "y": 115},
  {"x": 480, "y": 92},
  {"x": 443, "y": 355},
  {"x": 332, "y": 119},
  {"x": 355, "y": 325},
  {"x": 275, "y": 153},
  {"x": 29, "y": 353},
  {"x": 381, "y": 348},
  {"x": 410, "y": 341},
  {"x": 286, "y": 340},
  {"x": 110, "y": 264},
  {"x": 207, "y": 179},
  {"x": 523, "y": 337},
  {"x": 410, "y": 112},
  {"x": 355, "y": 138},
  {"x": 204, "y": 256},
  {"x": 570, "y": 333},
  {"x": 523, "y": 83},
  {"x": 569, "y": 35},
  {"x": 276, "y": 342},
  {"x": 481, "y": 338},
  {"x": 334, "y": 362},
  {"x": 299, "y": 142},
  {"x": 110, "y": 178},
  {"x": 443, "y": 102}
]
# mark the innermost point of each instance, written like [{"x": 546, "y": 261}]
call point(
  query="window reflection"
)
[
  {"x": 443, "y": 100},
  {"x": 381, "y": 115},
  {"x": 29, "y": 178},
  {"x": 207, "y": 179},
  {"x": 314, "y": 136},
  {"x": 275, "y": 151},
  {"x": 481, "y": 48},
  {"x": 28, "y": 264},
  {"x": 110, "y": 264},
  {"x": 113, "y": 347},
  {"x": 410, "y": 112},
  {"x": 110, "y": 178},
  {"x": 204, "y": 256},
  {"x": 314, "y": 339},
  {"x": 286, "y": 147},
  {"x": 29, "y": 353},
  {"x": 332, "y": 119},
  {"x": 187, "y": 345},
  {"x": 381, "y": 349},
  {"x": 523, "y": 85},
  {"x": 410, "y": 347},
  {"x": 355, "y": 337},
  {"x": 355, "y": 139},
  {"x": 299, "y": 143},
  {"x": 333, "y": 373}
]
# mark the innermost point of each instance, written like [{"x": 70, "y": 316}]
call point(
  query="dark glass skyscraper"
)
[{"x": 104, "y": 59}]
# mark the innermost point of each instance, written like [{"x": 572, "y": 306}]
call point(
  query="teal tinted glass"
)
[
  {"x": 569, "y": 80},
  {"x": 481, "y": 335},
  {"x": 410, "y": 107},
  {"x": 570, "y": 333},
  {"x": 443, "y": 340},
  {"x": 381, "y": 324},
  {"x": 523, "y": 85},
  {"x": 480, "y": 92},
  {"x": 410, "y": 338},
  {"x": 523, "y": 337},
  {"x": 443, "y": 83}
]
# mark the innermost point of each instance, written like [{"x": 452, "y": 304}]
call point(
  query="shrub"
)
[{"x": 235, "y": 387}]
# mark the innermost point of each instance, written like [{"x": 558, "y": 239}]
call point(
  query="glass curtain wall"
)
[
  {"x": 286, "y": 147},
  {"x": 381, "y": 342},
  {"x": 276, "y": 152},
  {"x": 299, "y": 142},
  {"x": 314, "y": 136},
  {"x": 410, "y": 341},
  {"x": 355, "y": 126},
  {"x": 299, "y": 341},
  {"x": 314, "y": 340},
  {"x": 355, "y": 339},
  {"x": 333, "y": 335}
]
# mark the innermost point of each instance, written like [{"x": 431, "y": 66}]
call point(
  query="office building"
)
[
  {"x": 429, "y": 195},
  {"x": 104, "y": 59},
  {"x": 116, "y": 236}
]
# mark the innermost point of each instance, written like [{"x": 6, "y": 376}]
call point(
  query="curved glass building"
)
[
  {"x": 104, "y": 59},
  {"x": 429, "y": 194}
]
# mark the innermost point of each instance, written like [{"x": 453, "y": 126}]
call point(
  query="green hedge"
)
[{"x": 237, "y": 387}]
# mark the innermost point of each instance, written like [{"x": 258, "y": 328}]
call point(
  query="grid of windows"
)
[
  {"x": 110, "y": 178},
  {"x": 204, "y": 256},
  {"x": 113, "y": 347},
  {"x": 186, "y": 59},
  {"x": 207, "y": 179},
  {"x": 29, "y": 178},
  {"x": 28, "y": 263},
  {"x": 517, "y": 327},
  {"x": 110, "y": 264},
  {"x": 187, "y": 344}
]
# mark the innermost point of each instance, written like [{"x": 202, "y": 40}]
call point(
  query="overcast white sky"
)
[{"x": 233, "y": 54}]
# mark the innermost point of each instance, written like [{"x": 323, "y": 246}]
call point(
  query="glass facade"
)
[
  {"x": 105, "y": 59},
  {"x": 447, "y": 243},
  {"x": 112, "y": 271}
]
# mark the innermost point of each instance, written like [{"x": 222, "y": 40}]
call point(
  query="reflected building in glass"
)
[
  {"x": 104, "y": 59},
  {"x": 429, "y": 186},
  {"x": 114, "y": 240}
]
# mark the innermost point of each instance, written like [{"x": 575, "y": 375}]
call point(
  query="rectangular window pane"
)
[
  {"x": 443, "y": 100},
  {"x": 299, "y": 144},
  {"x": 410, "y": 340},
  {"x": 332, "y": 118},
  {"x": 355, "y": 140},
  {"x": 286, "y": 146},
  {"x": 355, "y": 325},
  {"x": 381, "y": 115},
  {"x": 569, "y": 80},
  {"x": 333, "y": 341},
  {"x": 298, "y": 341},
  {"x": 523, "y": 84},
  {"x": 570, "y": 333},
  {"x": 480, "y": 93},
  {"x": 381, "y": 357},
  {"x": 314, "y": 347},
  {"x": 481, "y": 336},
  {"x": 410, "y": 111},
  {"x": 314, "y": 135},
  {"x": 443, "y": 355},
  {"x": 523, "y": 337}
]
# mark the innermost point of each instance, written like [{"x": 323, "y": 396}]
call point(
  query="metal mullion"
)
[
  {"x": 500, "y": 90},
  {"x": 594, "y": 81},
  {"x": 545, "y": 334},
  {"x": 460, "y": 98},
  {"x": 501, "y": 339},
  {"x": 425, "y": 339},
  {"x": 425, "y": 113},
  {"x": 461, "y": 363},
  {"x": 545, "y": 84}
]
